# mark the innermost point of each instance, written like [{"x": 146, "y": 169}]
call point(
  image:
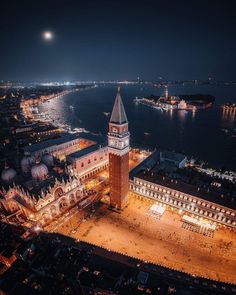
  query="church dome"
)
[
  {"x": 39, "y": 171},
  {"x": 8, "y": 175},
  {"x": 47, "y": 159},
  {"x": 26, "y": 163},
  {"x": 182, "y": 104}
]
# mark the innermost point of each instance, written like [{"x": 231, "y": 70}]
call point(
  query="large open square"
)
[{"x": 134, "y": 233}]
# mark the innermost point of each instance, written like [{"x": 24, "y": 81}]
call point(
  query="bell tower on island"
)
[{"x": 118, "y": 144}]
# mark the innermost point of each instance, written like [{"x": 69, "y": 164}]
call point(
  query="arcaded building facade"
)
[{"x": 187, "y": 202}]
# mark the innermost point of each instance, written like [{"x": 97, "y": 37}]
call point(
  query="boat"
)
[
  {"x": 106, "y": 113},
  {"x": 71, "y": 107},
  {"x": 165, "y": 108},
  {"x": 157, "y": 107},
  {"x": 225, "y": 130},
  {"x": 147, "y": 133}
]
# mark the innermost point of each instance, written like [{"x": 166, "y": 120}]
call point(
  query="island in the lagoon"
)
[{"x": 179, "y": 102}]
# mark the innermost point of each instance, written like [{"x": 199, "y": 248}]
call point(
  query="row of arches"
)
[
  {"x": 182, "y": 196},
  {"x": 187, "y": 204},
  {"x": 95, "y": 158},
  {"x": 93, "y": 172},
  {"x": 59, "y": 206}
]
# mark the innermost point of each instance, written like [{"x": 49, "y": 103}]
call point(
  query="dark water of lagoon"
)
[{"x": 201, "y": 135}]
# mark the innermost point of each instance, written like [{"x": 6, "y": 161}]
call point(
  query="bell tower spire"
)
[
  {"x": 118, "y": 144},
  {"x": 118, "y": 115}
]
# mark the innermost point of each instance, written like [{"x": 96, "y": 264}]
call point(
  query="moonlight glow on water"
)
[{"x": 201, "y": 135}]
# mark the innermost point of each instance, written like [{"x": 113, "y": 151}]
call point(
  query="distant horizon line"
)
[{"x": 112, "y": 81}]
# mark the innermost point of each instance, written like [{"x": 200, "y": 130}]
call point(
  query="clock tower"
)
[{"x": 118, "y": 144}]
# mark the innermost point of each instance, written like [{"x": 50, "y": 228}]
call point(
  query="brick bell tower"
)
[{"x": 118, "y": 144}]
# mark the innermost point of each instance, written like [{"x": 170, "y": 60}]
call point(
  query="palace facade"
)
[
  {"x": 43, "y": 206},
  {"x": 50, "y": 180}
]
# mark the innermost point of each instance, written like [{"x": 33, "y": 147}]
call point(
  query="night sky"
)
[{"x": 96, "y": 40}]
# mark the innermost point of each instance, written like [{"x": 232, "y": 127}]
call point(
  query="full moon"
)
[{"x": 47, "y": 35}]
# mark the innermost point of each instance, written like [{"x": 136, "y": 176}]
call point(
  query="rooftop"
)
[
  {"x": 148, "y": 163},
  {"x": 66, "y": 137},
  {"x": 35, "y": 187},
  {"x": 187, "y": 188},
  {"x": 51, "y": 142},
  {"x": 87, "y": 150},
  {"x": 185, "y": 180},
  {"x": 176, "y": 157},
  {"x": 118, "y": 113}
]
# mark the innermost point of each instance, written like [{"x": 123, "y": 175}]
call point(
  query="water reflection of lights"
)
[
  {"x": 194, "y": 113},
  {"x": 228, "y": 118},
  {"x": 182, "y": 114},
  {"x": 228, "y": 114}
]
